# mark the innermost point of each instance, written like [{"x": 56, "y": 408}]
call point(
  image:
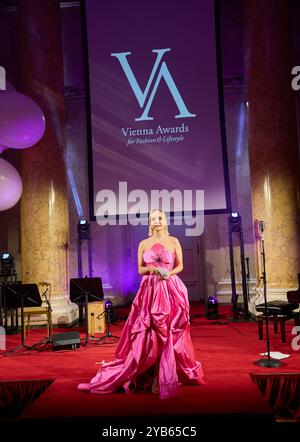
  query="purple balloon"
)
[
  {"x": 22, "y": 121},
  {"x": 10, "y": 185}
]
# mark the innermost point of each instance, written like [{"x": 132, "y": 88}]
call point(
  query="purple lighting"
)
[
  {"x": 212, "y": 308},
  {"x": 22, "y": 121},
  {"x": 212, "y": 300},
  {"x": 108, "y": 305}
]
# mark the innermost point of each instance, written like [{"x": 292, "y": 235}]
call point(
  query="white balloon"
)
[{"x": 10, "y": 185}]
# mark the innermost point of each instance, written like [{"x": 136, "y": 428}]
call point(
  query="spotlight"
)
[
  {"x": 110, "y": 314},
  {"x": 108, "y": 305},
  {"x": 235, "y": 222},
  {"x": 83, "y": 229},
  {"x": 212, "y": 308},
  {"x": 7, "y": 264}
]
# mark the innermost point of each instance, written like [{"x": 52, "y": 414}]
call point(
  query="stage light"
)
[
  {"x": 108, "y": 305},
  {"x": 84, "y": 234},
  {"x": 109, "y": 309},
  {"x": 83, "y": 229},
  {"x": 7, "y": 264},
  {"x": 235, "y": 222},
  {"x": 212, "y": 308}
]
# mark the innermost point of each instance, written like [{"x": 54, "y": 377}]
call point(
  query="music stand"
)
[
  {"x": 22, "y": 295},
  {"x": 86, "y": 290}
]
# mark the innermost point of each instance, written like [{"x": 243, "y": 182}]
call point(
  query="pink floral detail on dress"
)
[
  {"x": 161, "y": 257},
  {"x": 160, "y": 254}
]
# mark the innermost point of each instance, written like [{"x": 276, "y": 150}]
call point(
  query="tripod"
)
[
  {"x": 22, "y": 291},
  {"x": 263, "y": 362},
  {"x": 235, "y": 225},
  {"x": 107, "y": 311},
  {"x": 86, "y": 289}
]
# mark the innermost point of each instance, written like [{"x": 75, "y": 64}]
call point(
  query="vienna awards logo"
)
[{"x": 159, "y": 71}]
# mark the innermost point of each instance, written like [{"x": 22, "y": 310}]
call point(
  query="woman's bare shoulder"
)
[
  {"x": 143, "y": 243},
  {"x": 174, "y": 240}
]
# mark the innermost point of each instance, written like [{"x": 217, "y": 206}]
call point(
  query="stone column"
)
[
  {"x": 273, "y": 148},
  {"x": 44, "y": 203}
]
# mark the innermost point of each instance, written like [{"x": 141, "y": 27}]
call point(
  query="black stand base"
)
[
  {"x": 264, "y": 362},
  {"x": 108, "y": 335},
  {"x": 15, "y": 350},
  {"x": 88, "y": 339},
  {"x": 45, "y": 342},
  {"x": 240, "y": 315}
]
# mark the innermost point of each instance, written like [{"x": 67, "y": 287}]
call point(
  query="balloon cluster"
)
[{"x": 22, "y": 124}]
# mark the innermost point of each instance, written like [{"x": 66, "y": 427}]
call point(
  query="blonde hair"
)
[{"x": 165, "y": 227}]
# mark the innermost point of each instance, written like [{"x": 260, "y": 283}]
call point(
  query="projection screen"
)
[{"x": 155, "y": 103}]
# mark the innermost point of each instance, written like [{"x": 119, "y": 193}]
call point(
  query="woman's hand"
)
[
  {"x": 166, "y": 275},
  {"x": 162, "y": 273}
]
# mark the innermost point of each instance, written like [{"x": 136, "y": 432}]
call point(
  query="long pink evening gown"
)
[{"x": 155, "y": 339}]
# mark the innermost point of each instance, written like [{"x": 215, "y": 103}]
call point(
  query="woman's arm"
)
[
  {"x": 142, "y": 269},
  {"x": 179, "y": 259}
]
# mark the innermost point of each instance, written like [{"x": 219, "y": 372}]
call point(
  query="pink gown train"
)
[{"x": 155, "y": 339}]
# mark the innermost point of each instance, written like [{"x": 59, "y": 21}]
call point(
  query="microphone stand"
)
[
  {"x": 108, "y": 333},
  {"x": 263, "y": 362},
  {"x": 248, "y": 278},
  {"x": 47, "y": 300},
  {"x": 49, "y": 339}
]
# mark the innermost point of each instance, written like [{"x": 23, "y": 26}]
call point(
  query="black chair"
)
[{"x": 278, "y": 312}]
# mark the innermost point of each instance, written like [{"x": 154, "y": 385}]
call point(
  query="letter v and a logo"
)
[{"x": 146, "y": 98}]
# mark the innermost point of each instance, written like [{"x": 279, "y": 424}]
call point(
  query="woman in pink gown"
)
[{"x": 155, "y": 348}]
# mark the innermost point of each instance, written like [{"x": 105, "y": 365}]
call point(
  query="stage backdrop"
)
[{"x": 154, "y": 101}]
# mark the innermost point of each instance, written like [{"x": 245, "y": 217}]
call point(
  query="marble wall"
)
[{"x": 272, "y": 139}]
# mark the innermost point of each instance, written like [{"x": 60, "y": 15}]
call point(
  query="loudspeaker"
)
[{"x": 63, "y": 341}]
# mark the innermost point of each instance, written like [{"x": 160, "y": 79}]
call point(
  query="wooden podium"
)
[{"x": 96, "y": 317}]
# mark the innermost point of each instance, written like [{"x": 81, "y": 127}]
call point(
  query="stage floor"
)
[{"x": 227, "y": 349}]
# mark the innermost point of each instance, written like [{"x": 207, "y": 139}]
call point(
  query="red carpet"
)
[{"x": 230, "y": 394}]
